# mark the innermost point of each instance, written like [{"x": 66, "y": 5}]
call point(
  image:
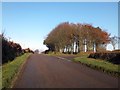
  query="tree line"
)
[
  {"x": 74, "y": 38},
  {"x": 10, "y": 49}
]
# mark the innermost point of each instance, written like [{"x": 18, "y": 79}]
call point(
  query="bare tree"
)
[{"x": 114, "y": 41}]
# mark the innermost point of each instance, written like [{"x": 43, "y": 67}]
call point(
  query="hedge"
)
[{"x": 113, "y": 57}]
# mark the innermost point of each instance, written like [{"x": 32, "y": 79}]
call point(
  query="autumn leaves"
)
[{"x": 73, "y": 38}]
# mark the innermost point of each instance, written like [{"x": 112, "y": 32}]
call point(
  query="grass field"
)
[
  {"x": 10, "y": 69},
  {"x": 99, "y": 65}
]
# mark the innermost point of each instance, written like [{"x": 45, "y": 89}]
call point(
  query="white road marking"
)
[{"x": 64, "y": 59}]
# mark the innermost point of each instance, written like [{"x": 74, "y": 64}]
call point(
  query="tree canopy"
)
[{"x": 73, "y": 38}]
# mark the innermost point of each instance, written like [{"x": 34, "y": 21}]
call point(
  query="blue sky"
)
[{"x": 29, "y": 23}]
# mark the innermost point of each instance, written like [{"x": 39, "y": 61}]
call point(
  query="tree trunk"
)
[
  {"x": 113, "y": 47},
  {"x": 78, "y": 46},
  {"x": 85, "y": 45},
  {"x": 94, "y": 47}
]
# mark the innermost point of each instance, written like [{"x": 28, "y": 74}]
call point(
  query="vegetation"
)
[
  {"x": 11, "y": 50},
  {"x": 114, "y": 40},
  {"x": 99, "y": 65},
  {"x": 9, "y": 70},
  {"x": 50, "y": 53},
  {"x": 113, "y": 57},
  {"x": 13, "y": 56},
  {"x": 28, "y": 50},
  {"x": 73, "y": 38},
  {"x": 36, "y": 51}
]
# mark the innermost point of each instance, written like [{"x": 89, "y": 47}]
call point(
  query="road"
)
[{"x": 43, "y": 71}]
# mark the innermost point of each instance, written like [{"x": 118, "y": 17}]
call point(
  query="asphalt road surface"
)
[{"x": 42, "y": 71}]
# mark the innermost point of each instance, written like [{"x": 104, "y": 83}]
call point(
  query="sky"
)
[{"x": 29, "y": 23}]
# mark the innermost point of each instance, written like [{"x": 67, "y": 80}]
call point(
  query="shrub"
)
[
  {"x": 10, "y": 50},
  {"x": 113, "y": 57}
]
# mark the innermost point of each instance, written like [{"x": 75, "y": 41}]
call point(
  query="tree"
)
[
  {"x": 36, "y": 51},
  {"x": 10, "y": 50},
  {"x": 114, "y": 41},
  {"x": 73, "y": 38}
]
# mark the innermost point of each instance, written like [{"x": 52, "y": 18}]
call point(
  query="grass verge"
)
[
  {"x": 10, "y": 69},
  {"x": 62, "y": 54},
  {"x": 99, "y": 65}
]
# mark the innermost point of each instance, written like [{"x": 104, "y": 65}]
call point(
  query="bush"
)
[
  {"x": 10, "y": 50},
  {"x": 113, "y": 57}
]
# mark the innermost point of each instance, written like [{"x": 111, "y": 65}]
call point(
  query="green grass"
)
[
  {"x": 10, "y": 69},
  {"x": 83, "y": 54},
  {"x": 95, "y": 63},
  {"x": 56, "y": 54},
  {"x": 99, "y": 65}
]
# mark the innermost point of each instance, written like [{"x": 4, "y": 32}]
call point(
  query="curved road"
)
[{"x": 42, "y": 71}]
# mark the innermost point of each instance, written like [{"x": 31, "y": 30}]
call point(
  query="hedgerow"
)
[{"x": 113, "y": 57}]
